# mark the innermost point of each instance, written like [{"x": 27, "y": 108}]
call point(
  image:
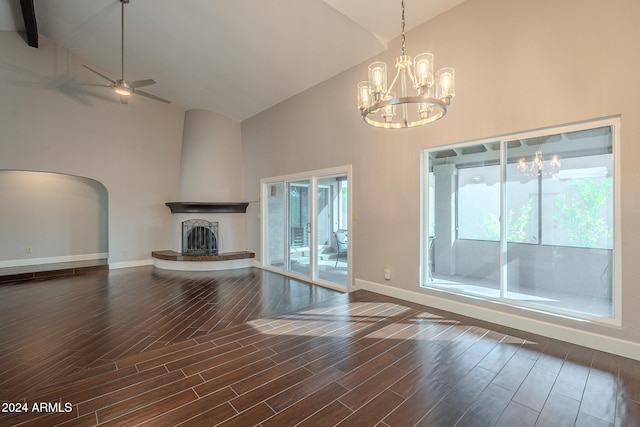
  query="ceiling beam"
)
[{"x": 30, "y": 24}]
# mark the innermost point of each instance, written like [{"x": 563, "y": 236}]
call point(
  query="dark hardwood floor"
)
[{"x": 143, "y": 346}]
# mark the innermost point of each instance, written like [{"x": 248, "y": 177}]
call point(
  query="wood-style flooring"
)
[{"x": 143, "y": 346}]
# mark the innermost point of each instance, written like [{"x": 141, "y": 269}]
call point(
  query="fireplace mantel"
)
[{"x": 208, "y": 207}]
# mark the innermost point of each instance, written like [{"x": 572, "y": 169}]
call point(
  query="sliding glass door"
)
[
  {"x": 305, "y": 227},
  {"x": 332, "y": 261},
  {"x": 299, "y": 227}
]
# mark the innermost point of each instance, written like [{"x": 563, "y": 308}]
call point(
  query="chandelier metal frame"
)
[{"x": 374, "y": 97}]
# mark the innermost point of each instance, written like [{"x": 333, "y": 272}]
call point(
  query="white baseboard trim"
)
[
  {"x": 129, "y": 264},
  {"x": 52, "y": 260},
  {"x": 572, "y": 335}
]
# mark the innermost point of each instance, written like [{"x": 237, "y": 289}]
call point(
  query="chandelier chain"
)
[{"x": 403, "y": 37}]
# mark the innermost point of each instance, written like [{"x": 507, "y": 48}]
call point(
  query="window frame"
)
[{"x": 613, "y": 123}]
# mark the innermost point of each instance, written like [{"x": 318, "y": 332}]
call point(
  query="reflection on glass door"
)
[
  {"x": 332, "y": 262},
  {"x": 274, "y": 253},
  {"x": 299, "y": 230}
]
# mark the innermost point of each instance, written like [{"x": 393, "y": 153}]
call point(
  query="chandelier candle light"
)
[
  {"x": 537, "y": 165},
  {"x": 377, "y": 102}
]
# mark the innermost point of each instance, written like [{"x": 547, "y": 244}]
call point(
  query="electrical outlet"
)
[
  {"x": 28, "y": 250},
  {"x": 387, "y": 273},
  {"x": 125, "y": 253}
]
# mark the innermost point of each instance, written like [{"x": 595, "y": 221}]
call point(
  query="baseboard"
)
[
  {"x": 576, "y": 336},
  {"x": 129, "y": 264},
  {"x": 52, "y": 260}
]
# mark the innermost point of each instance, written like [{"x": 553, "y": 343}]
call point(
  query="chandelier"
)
[
  {"x": 537, "y": 165},
  {"x": 378, "y": 102}
]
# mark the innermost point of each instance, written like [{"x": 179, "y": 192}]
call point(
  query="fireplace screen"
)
[{"x": 199, "y": 237}]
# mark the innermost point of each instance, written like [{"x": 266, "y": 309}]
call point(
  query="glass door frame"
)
[{"x": 313, "y": 177}]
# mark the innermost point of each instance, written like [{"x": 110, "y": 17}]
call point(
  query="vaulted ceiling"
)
[{"x": 236, "y": 57}]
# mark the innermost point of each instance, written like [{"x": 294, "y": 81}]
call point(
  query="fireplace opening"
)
[{"x": 199, "y": 237}]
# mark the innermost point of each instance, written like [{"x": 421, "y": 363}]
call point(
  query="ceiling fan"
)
[{"x": 125, "y": 88}]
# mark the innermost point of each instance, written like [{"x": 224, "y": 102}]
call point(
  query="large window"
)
[{"x": 527, "y": 219}]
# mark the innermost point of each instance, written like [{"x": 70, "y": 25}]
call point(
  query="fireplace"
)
[
  {"x": 211, "y": 178},
  {"x": 199, "y": 237}
]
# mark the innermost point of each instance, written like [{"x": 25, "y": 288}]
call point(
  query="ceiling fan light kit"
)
[
  {"x": 122, "y": 87},
  {"x": 377, "y": 101}
]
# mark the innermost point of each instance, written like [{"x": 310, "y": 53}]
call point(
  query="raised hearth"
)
[
  {"x": 172, "y": 260},
  {"x": 169, "y": 255}
]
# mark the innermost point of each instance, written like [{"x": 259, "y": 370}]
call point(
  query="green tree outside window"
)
[
  {"x": 581, "y": 214},
  {"x": 515, "y": 225}
]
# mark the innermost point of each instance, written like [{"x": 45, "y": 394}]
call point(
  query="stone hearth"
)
[
  {"x": 172, "y": 260},
  {"x": 177, "y": 256}
]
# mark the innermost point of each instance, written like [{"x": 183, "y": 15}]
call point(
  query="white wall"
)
[
  {"x": 211, "y": 165},
  {"x": 53, "y": 217},
  {"x": 519, "y": 65},
  {"x": 50, "y": 123}
]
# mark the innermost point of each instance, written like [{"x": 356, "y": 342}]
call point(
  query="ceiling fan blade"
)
[
  {"x": 124, "y": 99},
  {"x": 142, "y": 83},
  {"x": 148, "y": 95},
  {"x": 91, "y": 84},
  {"x": 100, "y": 74}
]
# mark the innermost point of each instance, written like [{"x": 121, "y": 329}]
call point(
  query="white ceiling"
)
[{"x": 235, "y": 57}]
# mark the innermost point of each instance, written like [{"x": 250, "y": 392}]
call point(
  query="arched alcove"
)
[{"x": 51, "y": 217}]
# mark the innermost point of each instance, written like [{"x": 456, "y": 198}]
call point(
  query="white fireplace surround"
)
[{"x": 210, "y": 171}]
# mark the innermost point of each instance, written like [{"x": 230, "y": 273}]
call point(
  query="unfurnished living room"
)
[{"x": 319, "y": 213}]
